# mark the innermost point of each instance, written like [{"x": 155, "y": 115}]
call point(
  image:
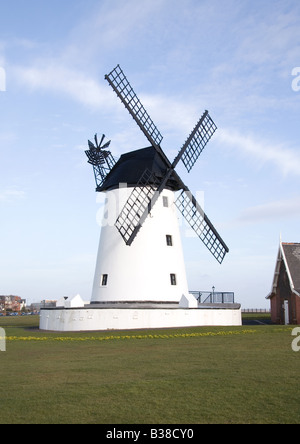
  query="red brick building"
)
[{"x": 285, "y": 294}]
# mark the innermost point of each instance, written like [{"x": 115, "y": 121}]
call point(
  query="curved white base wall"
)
[{"x": 93, "y": 319}]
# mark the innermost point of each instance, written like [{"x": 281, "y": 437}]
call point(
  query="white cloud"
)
[
  {"x": 75, "y": 69},
  {"x": 111, "y": 25},
  {"x": 173, "y": 113},
  {"x": 286, "y": 208},
  {"x": 58, "y": 78},
  {"x": 270, "y": 41},
  {"x": 10, "y": 195},
  {"x": 283, "y": 157}
]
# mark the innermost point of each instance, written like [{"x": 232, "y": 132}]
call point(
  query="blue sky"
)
[{"x": 234, "y": 58}]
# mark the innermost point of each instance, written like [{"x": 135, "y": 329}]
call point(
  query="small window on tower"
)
[
  {"x": 166, "y": 201},
  {"x": 169, "y": 240},
  {"x": 104, "y": 280},
  {"x": 173, "y": 279}
]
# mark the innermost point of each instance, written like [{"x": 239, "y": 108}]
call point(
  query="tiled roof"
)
[{"x": 292, "y": 255}]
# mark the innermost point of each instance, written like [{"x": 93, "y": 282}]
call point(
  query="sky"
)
[{"x": 239, "y": 59}]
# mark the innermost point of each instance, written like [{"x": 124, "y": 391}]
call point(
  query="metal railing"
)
[
  {"x": 209, "y": 297},
  {"x": 256, "y": 310}
]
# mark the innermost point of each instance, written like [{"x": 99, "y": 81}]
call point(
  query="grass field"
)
[{"x": 199, "y": 375}]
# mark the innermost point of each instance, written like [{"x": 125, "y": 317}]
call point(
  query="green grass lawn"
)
[{"x": 198, "y": 375}]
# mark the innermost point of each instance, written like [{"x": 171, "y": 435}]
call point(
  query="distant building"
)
[
  {"x": 285, "y": 294},
  {"x": 11, "y": 303},
  {"x": 36, "y": 306}
]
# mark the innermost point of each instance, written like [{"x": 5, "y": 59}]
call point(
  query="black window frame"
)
[
  {"x": 173, "y": 278},
  {"x": 169, "y": 240},
  {"x": 104, "y": 280},
  {"x": 165, "y": 201}
]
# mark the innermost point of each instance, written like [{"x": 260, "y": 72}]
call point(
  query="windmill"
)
[{"x": 140, "y": 255}]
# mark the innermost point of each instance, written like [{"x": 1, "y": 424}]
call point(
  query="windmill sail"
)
[
  {"x": 197, "y": 141},
  {"x": 137, "y": 207},
  {"x": 128, "y": 97},
  {"x": 199, "y": 222}
]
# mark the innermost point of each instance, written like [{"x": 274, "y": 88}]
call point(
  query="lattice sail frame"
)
[
  {"x": 198, "y": 140},
  {"x": 137, "y": 207},
  {"x": 118, "y": 81},
  {"x": 202, "y": 226}
]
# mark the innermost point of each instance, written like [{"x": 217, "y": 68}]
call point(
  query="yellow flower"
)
[{"x": 128, "y": 337}]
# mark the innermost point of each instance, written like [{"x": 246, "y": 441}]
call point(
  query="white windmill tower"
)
[{"x": 148, "y": 266}]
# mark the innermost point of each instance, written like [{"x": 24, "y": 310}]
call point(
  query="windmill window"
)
[
  {"x": 173, "y": 279},
  {"x": 104, "y": 280},
  {"x": 166, "y": 201},
  {"x": 169, "y": 239}
]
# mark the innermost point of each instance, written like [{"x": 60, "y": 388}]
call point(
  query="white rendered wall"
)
[
  {"x": 140, "y": 272},
  {"x": 130, "y": 319}
]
